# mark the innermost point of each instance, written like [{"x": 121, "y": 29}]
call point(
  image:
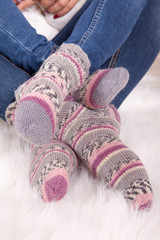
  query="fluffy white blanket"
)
[{"x": 89, "y": 211}]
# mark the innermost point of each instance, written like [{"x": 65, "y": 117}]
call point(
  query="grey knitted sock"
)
[
  {"x": 101, "y": 87},
  {"x": 93, "y": 135}
]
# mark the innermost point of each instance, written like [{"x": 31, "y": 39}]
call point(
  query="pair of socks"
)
[{"x": 40, "y": 115}]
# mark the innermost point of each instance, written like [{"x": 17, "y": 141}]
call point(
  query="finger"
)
[
  {"x": 45, "y": 4},
  {"x": 26, "y": 3},
  {"x": 66, "y": 9},
  {"x": 17, "y": 1},
  {"x": 58, "y": 6}
]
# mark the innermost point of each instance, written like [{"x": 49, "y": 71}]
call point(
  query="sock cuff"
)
[{"x": 78, "y": 54}]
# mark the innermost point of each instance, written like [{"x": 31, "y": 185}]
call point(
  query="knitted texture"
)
[
  {"x": 10, "y": 113},
  {"x": 51, "y": 168},
  {"x": 40, "y": 99},
  {"x": 101, "y": 87},
  {"x": 93, "y": 135}
]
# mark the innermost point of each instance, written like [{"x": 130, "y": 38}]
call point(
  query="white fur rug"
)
[{"x": 89, "y": 211}]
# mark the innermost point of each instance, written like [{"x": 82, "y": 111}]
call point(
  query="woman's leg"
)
[
  {"x": 19, "y": 42},
  {"x": 10, "y": 78},
  {"x": 30, "y": 49},
  {"x": 140, "y": 50},
  {"x": 95, "y": 23},
  {"x": 104, "y": 27}
]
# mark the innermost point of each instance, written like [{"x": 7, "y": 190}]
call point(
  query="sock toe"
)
[
  {"x": 109, "y": 86},
  {"x": 55, "y": 188},
  {"x": 143, "y": 201},
  {"x": 140, "y": 194}
]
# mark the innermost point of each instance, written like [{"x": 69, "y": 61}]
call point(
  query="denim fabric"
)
[
  {"x": 140, "y": 50},
  {"x": 10, "y": 78},
  {"x": 100, "y": 31},
  {"x": 104, "y": 27},
  {"x": 19, "y": 42}
]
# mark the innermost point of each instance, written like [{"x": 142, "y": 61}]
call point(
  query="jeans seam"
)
[
  {"x": 15, "y": 65},
  {"x": 54, "y": 49},
  {"x": 114, "y": 58},
  {"x": 92, "y": 25},
  {"x": 20, "y": 43}
]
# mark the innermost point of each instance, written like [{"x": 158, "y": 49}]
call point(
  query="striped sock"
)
[
  {"x": 101, "y": 87},
  {"x": 40, "y": 99},
  {"x": 93, "y": 135},
  {"x": 51, "y": 168}
]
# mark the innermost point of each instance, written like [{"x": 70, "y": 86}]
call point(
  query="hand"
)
[{"x": 58, "y": 7}]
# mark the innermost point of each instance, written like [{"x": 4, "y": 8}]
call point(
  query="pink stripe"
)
[
  {"x": 41, "y": 159},
  {"x": 100, "y": 150},
  {"x": 91, "y": 87},
  {"x": 121, "y": 172},
  {"x": 70, "y": 120},
  {"x": 45, "y": 106},
  {"x": 104, "y": 155},
  {"x": 69, "y": 98},
  {"x": 77, "y": 65},
  {"x": 90, "y": 129}
]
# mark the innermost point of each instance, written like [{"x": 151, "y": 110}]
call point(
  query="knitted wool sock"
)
[
  {"x": 101, "y": 87},
  {"x": 40, "y": 99},
  {"x": 93, "y": 135},
  {"x": 51, "y": 168}
]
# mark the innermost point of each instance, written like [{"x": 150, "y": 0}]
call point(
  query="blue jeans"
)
[
  {"x": 101, "y": 29},
  {"x": 137, "y": 41}
]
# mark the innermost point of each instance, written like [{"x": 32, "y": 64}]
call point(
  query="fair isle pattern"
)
[
  {"x": 70, "y": 63},
  {"x": 51, "y": 167},
  {"x": 40, "y": 98},
  {"x": 94, "y": 138}
]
